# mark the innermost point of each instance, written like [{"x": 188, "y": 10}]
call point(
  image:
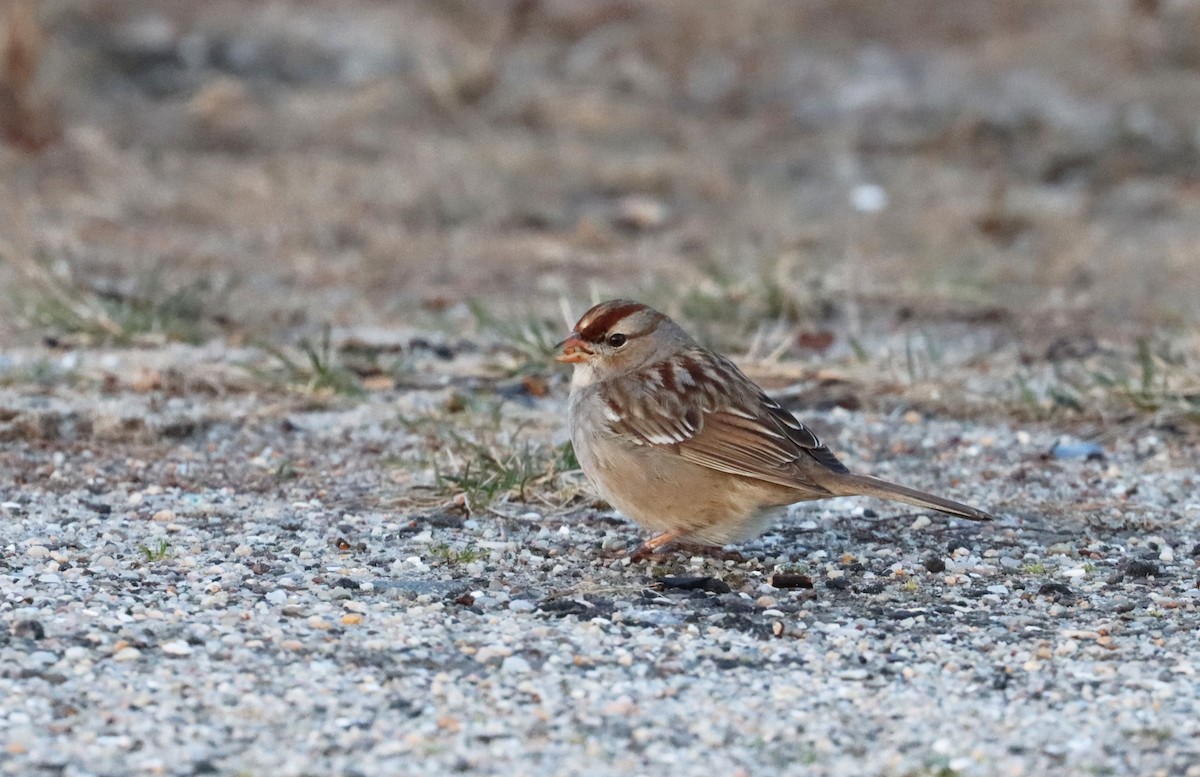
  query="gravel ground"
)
[
  {"x": 238, "y": 582},
  {"x": 980, "y": 218}
]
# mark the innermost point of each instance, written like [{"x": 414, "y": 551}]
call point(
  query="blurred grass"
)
[
  {"x": 62, "y": 308},
  {"x": 1158, "y": 380},
  {"x": 494, "y": 159},
  {"x": 317, "y": 369}
]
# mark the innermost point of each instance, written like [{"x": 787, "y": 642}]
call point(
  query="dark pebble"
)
[
  {"x": 347, "y": 583},
  {"x": 1142, "y": 568},
  {"x": 934, "y": 564},
  {"x": 899, "y": 615},
  {"x": 727, "y": 663},
  {"x": 28, "y": 630},
  {"x": 441, "y": 520},
  {"x": 838, "y": 583},
  {"x": 1056, "y": 590},
  {"x": 790, "y": 580},
  {"x": 710, "y": 584},
  {"x": 560, "y": 608}
]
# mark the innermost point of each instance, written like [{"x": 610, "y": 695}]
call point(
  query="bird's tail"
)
[{"x": 865, "y": 485}]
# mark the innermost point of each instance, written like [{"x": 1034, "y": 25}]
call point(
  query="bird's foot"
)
[
  {"x": 654, "y": 547},
  {"x": 667, "y": 543}
]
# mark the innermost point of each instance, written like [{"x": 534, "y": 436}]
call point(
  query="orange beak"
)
[{"x": 574, "y": 350}]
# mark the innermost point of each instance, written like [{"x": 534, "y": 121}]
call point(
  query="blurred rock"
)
[
  {"x": 1067, "y": 449},
  {"x": 640, "y": 213}
]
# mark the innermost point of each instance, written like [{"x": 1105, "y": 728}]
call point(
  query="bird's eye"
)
[{"x": 617, "y": 340}]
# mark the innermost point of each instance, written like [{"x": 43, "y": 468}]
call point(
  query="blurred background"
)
[{"x": 843, "y": 168}]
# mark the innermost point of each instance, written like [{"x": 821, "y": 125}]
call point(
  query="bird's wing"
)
[{"x": 735, "y": 428}]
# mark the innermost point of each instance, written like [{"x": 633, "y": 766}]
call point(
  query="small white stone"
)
[
  {"x": 515, "y": 665},
  {"x": 489, "y": 652},
  {"x": 127, "y": 654},
  {"x": 176, "y": 648},
  {"x": 276, "y": 597},
  {"x": 1066, "y": 648},
  {"x": 242, "y": 550},
  {"x": 37, "y": 551},
  {"x": 868, "y": 198},
  {"x": 921, "y": 522},
  {"x": 412, "y": 562}
]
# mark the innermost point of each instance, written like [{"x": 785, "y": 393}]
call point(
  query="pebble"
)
[
  {"x": 515, "y": 665},
  {"x": 1077, "y": 450},
  {"x": 367, "y": 659},
  {"x": 41, "y": 658},
  {"x": 489, "y": 653},
  {"x": 176, "y": 648},
  {"x": 127, "y": 653}
]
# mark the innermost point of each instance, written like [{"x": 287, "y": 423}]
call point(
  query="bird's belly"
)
[{"x": 665, "y": 493}]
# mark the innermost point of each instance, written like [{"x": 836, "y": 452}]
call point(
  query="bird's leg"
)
[{"x": 651, "y": 547}]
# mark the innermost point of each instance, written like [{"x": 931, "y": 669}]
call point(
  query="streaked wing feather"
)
[
  {"x": 743, "y": 432},
  {"x": 804, "y": 437},
  {"x": 737, "y": 450}
]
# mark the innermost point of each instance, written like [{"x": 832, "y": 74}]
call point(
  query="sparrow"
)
[{"x": 677, "y": 438}]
